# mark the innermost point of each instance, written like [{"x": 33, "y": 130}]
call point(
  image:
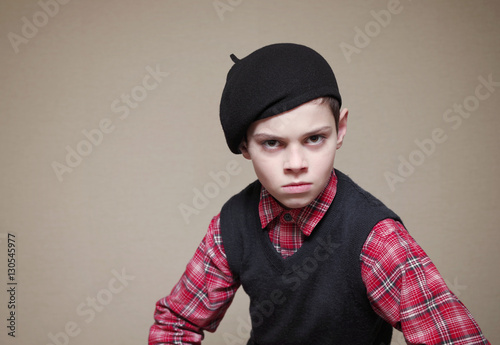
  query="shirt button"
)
[{"x": 288, "y": 217}]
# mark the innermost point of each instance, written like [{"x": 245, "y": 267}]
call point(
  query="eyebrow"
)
[{"x": 270, "y": 136}]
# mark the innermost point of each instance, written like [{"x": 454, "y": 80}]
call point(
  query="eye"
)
[
  {"x": 315, "y": 139},
  {"x": 271, "y": 144}
]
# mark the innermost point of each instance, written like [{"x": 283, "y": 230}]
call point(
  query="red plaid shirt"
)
[{"x": 403, "y": 285}]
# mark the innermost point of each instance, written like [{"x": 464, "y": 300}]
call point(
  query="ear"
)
[
  {"x": 244, "y": 150},
  {"x": 342, "y": 127}
]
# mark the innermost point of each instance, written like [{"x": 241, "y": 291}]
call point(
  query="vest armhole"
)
[
  {"x": 229, "y": 241},
  {"x": 232, "y": 223}
]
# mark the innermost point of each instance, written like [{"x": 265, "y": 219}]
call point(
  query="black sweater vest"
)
[{"x": 315, "y": 296}]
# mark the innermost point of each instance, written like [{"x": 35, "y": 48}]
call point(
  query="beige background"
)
[{"x": 117, "y": 211}]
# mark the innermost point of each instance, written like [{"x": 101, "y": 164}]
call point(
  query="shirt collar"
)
[{"x": 306, "y": 217}]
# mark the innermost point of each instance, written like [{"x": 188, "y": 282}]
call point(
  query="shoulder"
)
[
  {"x": 359, "y": 204},
  {"x": 388, "y": 237},
  {"x": 390, "y": 242}
]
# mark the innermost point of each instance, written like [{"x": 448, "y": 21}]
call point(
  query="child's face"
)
[{"x": 293, "y": 152}]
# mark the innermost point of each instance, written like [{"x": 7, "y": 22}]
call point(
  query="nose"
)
[{"x": 295, "y": 160}]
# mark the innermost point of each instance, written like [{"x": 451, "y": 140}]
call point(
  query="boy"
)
[{"x": 322, "y": 260}]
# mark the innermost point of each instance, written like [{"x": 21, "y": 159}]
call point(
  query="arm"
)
[
  {"x": 406, "y": 289},
  {"x": 201, "y": 297}
]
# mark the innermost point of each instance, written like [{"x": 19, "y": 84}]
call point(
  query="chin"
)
[{"x": 296, "y": 203}]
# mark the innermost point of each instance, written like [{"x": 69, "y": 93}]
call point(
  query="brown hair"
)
[{"x": 334, "y": 107}]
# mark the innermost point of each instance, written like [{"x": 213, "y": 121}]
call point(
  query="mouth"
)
[{"x": 297, "y": 187}]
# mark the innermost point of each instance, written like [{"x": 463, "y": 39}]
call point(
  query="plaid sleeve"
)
[
  {"x": 406, "y": 289},
  {"x": 201, "y": 297}
]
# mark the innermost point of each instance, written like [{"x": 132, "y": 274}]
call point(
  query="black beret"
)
[{"x": 270, "y": 81}]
